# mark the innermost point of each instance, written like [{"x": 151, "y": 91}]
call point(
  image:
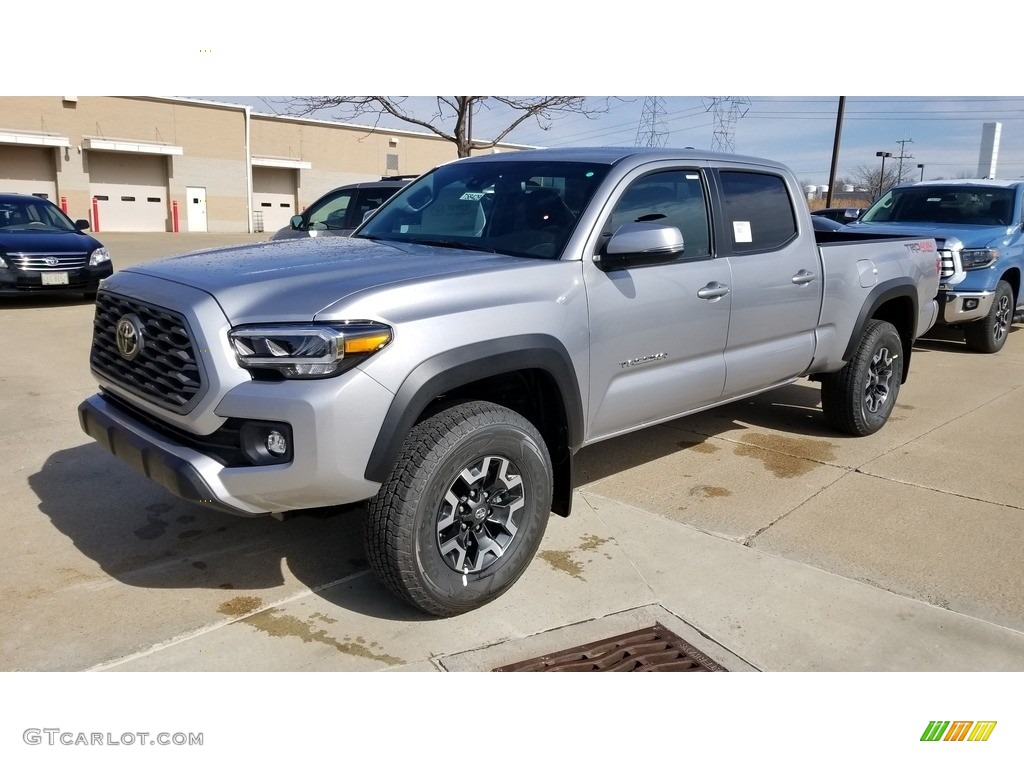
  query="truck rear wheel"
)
[
  {"x": 989, "y": 334},
  {"x": 859, "y": 398},
  {"x": 464, "y": 509}
]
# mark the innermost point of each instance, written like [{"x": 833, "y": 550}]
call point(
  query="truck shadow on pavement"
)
[
  {"x": 794, "y": 411},
  {"x": 144, "y": 537}
]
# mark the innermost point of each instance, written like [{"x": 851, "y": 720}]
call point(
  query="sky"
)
[
  {"x": 943, "y": 133},
  {"x": 918, "y": 87}
]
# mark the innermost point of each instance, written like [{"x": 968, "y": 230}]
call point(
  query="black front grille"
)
[
  {"x": 49, "y": 262},
  {"x": 165, "y": 371}
]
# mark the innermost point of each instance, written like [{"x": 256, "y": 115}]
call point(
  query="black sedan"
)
[{"x": 42, "y": 250}]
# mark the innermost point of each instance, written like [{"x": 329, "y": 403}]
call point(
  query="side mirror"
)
[
  {"x": 296, "y": 222},
  {"x": 81, "y": 224},
  {"x": 641, "y": 243}
]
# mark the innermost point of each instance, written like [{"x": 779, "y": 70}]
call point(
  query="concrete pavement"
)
[{"x": 753, "y": 531}]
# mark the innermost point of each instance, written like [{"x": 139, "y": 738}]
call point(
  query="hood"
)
[
  {"x": 293, "y": 280},
  {"x": 39, "y": 241},
  {"x": 971, "y": 235}
]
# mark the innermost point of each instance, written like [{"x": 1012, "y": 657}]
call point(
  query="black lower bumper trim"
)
[{"x": 172, "y": 472}]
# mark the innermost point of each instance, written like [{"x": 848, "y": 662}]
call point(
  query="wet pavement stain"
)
[
  {"x": 324, "y": 618},
  {"x": 785, "y": 457},
  {"x": 153, "y": 530},
  {"x": 276, "y": 623},
  {"x": 563, "y": 560},
  {"x": 199, "y": 565},
  {"x": 239, "y": 606},
  {"x": 710, "y": 491},
  {"x": 186, "y": 519},
  {"x": 699, "y": 447},
  {"x": 189, "y": 534}
]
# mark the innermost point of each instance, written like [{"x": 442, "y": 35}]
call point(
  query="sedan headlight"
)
[
  {"x": 3, "y": 263},
  {"x": 979, "y": 258},
  {"x": 308, "y": 351},
  {"x": 99, "y": 256}
]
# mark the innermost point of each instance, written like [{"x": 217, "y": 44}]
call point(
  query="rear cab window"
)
[{"x": 759, "y": 212}]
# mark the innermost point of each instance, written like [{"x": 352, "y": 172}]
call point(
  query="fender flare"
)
[
  {"x": 464, "y": 365},
  {"x": 898, "y": 288}
]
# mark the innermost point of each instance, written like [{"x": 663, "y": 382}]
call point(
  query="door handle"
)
[
  {"x": 712, "y": 291},
  {"x": 803, "y": 277}
]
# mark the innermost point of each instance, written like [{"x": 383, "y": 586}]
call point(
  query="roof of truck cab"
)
[
  {"x": 967, "y": 182},
  {"x": 612, "y": 155}
]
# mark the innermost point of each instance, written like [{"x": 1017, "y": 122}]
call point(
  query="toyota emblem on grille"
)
[
  {"x": 51, "y": 261},
  {"x": 129, "y": 336}
]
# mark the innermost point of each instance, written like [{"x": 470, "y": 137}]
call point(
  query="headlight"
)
[
  {"x": 308, "y": 351},
  {"x": 3, "y": 264},
  {"x": 978, "y": 258},
  {"x": 99, "y": 256}
]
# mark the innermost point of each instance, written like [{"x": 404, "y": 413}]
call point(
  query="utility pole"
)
[{"x": 903, "y": 156}]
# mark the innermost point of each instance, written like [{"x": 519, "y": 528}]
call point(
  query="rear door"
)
[{"x": 777, "y": 280}]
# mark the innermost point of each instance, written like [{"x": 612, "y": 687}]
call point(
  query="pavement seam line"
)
[
  {"x": 800, "y": 564},
  {"x": 220, "y": 625}
]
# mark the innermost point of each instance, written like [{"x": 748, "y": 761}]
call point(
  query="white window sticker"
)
[{"x": 741, "y": 232}]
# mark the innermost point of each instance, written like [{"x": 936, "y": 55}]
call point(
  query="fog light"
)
[
  {"x": 277, "y": 444},
  {"x": 266, "y": 442},
  {"x": 970, "y": 303}
]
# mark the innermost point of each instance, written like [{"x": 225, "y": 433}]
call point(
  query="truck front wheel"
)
[
  {"x": 464, "y": 509},
  {"x": 859, "y": 398},
  {"x": 989, "y": 334}
]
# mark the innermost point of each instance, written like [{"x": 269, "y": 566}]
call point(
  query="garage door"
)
[
  {"x": 28, "y": 171},
  {"x": 130, "y": 191},
  {"x": 273, "y": 196}
]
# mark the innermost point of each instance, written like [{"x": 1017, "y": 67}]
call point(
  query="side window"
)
[
  {"x": 758, "y": 211},
  {"x": 331, "y": 214},
  {"x": 675, "y": 198}
]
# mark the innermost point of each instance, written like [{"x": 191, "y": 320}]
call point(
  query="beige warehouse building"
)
[{"x": 153, "y": 164}]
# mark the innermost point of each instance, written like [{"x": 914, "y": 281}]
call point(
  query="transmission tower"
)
[
  {"x": 652, "y": 132},
  {"x": 727, "y": 110}
]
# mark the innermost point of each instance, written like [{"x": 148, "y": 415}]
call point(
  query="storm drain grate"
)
[{"x": 654, "y": 649}]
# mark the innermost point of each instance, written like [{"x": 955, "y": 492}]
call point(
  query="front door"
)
[{"x": 658, "y": 332}]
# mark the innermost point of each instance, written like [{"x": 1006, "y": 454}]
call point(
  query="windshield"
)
[
  {"x": 521, "y": 208},
  {"x": 33, "y": 214},
  {"x": 954, "y": 204}
]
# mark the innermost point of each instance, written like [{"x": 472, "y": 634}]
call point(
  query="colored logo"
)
[{"x": 958, "y": 730}]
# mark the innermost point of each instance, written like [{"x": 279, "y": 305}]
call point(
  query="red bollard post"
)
[
  {"x": 95, "y": 215},
  {"x": 63, "y": 203},
  {"x": 174, "y": 215}
]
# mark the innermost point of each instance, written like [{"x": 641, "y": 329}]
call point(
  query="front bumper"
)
[
  {"x": 17, "y": 282},
  {"x": 958, "y": 307},
  {"x": 334, "y": 427}
]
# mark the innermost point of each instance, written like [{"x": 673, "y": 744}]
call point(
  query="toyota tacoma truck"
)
[
  {"x": 443, "y": 365},
  {"x": 978, "y": 227}
]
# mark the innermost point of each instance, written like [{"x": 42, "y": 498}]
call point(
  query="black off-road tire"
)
[
  {"x": 859, "y": 398},
  {"x": 989, "y": 334},
  {"x": 433, "y": 536}
]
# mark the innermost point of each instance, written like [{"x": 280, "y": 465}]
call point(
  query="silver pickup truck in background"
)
[{"x": 444, "y": 364}]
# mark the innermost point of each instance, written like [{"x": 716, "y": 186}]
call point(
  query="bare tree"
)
[
  {"x": 870, "y": 178},
  {"x": 452, "y": 116}
]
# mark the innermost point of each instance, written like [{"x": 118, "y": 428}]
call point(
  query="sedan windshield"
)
[
  {"x": 954, "y": 204},
  {"x": 33, "y": 215},
  {"x": 521, "y": 208}
]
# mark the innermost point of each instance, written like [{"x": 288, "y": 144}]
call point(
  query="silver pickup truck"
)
[{"x": 445, "y": 363}]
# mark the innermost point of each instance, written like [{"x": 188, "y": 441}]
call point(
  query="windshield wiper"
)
[{"x": 453, "y": 244}]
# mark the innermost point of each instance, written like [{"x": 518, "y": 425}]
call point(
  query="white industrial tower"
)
[{"x": 989, "y": 150}]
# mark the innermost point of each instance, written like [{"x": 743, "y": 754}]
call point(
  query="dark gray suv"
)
[{"x": 342, "y": 210}]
